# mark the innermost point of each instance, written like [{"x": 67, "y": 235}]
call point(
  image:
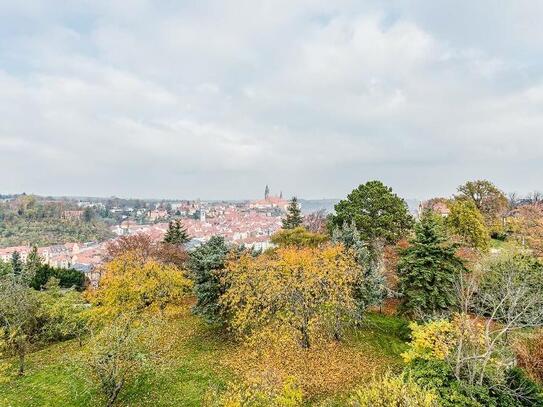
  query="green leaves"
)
[
  {"x": 176, "y": 233},
  {"x": 376, "y": 211},
  {"x": 294, "y": 215}
]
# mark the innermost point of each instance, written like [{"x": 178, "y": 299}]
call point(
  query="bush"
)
[
  {"x": 432, "y": 341},
  {"x": 438, "y": 376},
  {"x": 391, "y": 391},
  {"x": 517, "y": 390}
]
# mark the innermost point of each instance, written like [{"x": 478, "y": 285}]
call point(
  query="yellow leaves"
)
[
  {"x": 304, "y": 290},
  {"x": 264, "y": 390},
  {"x": 326, "y": 368},
  {"x": 434, "y": 340},
  {"x": 299, "y": 237},
  {"x": 131, "y": 285},
  {"x": 393, "y": 391}
]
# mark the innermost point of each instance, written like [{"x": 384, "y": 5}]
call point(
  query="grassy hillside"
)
[{"x": 195, "y": 363}]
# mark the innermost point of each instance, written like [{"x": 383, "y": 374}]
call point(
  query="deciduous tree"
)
[
  {"x": 19, "y": 317},
  {"x": 65, "y": 311},
  {"x": 303, "y": 291},
  {"x": 129, "y": 285},
  {"x": 118, "y": 354},
  {"x": 316, "y": 221},
  {"x": 488, "y": 199},
  {"x": 529, "y": 227},
  {"x": 393, "y": 391},
  {"x": 143, "y": 247},
  {"x": 466, "y": 222}
]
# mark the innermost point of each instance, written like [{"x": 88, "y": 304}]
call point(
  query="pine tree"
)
[
  {"x": 205, "y": 264},
  {"x": 294, "y": 215},
  {"x": 176, "y": 233},
  {"x": 427, "y": 270},
  {"x": 378, "y": 213},
  {"x": 16, "y": 263}
]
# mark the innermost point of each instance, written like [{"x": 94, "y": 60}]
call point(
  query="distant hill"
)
[
  {"x": 29, "y": 219},
  {"x": 313, "y": 205}
]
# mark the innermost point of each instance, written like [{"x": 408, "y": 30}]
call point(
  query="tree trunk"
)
[
  {"x": 113, "y": 396},
  {"x": 304, "y": 339},
  {"x": 21, "y": 363}
]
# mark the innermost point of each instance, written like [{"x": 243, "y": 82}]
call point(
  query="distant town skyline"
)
[{"x": 214, "y": 100}]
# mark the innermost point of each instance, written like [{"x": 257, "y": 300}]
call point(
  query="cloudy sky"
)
[{"x": 215, "y": 99}]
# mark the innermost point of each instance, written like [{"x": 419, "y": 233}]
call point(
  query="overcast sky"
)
[{"x": 216, "y": 99}]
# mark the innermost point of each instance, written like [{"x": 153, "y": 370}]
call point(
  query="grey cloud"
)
[{"x": 215, "y": 99}]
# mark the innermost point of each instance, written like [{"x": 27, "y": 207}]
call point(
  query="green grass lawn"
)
[{"x": 191, "y": 368}]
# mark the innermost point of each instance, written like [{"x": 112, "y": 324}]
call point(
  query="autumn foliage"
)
[
  {"x": 128, "y": 284},
  {"x": 305, "y": 293}
]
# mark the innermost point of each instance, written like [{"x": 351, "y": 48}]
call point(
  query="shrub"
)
[
  {"x": 438, "y": 376},
  {"x": 391, "y": 391},
  {"x": 431, "y": 341}
]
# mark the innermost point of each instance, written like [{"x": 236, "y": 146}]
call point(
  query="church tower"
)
[{"x": 267, "y": 192}]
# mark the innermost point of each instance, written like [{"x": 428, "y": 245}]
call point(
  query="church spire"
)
[{"x": 267, "y": 192}]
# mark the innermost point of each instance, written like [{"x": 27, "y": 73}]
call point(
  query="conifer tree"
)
[
  {"x": 370, "y": 287},
  {"x": 205, "y": 264},
  {"x": 378, "y": 213},
  {"x": 32, "y": 265},
  {"x": 294, "y": 215},
  {"x": 428, "y": 270},
  {"x": 176, "y": 233},
  {"x": 16, "y": 263}
]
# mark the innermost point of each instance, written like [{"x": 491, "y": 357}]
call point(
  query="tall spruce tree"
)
[
  {"x": 427, "y": 271},
  {"x": 205, "y": 263},
  {"x": 294, "y": 215},
  {"x": 176, "y": 233}
]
